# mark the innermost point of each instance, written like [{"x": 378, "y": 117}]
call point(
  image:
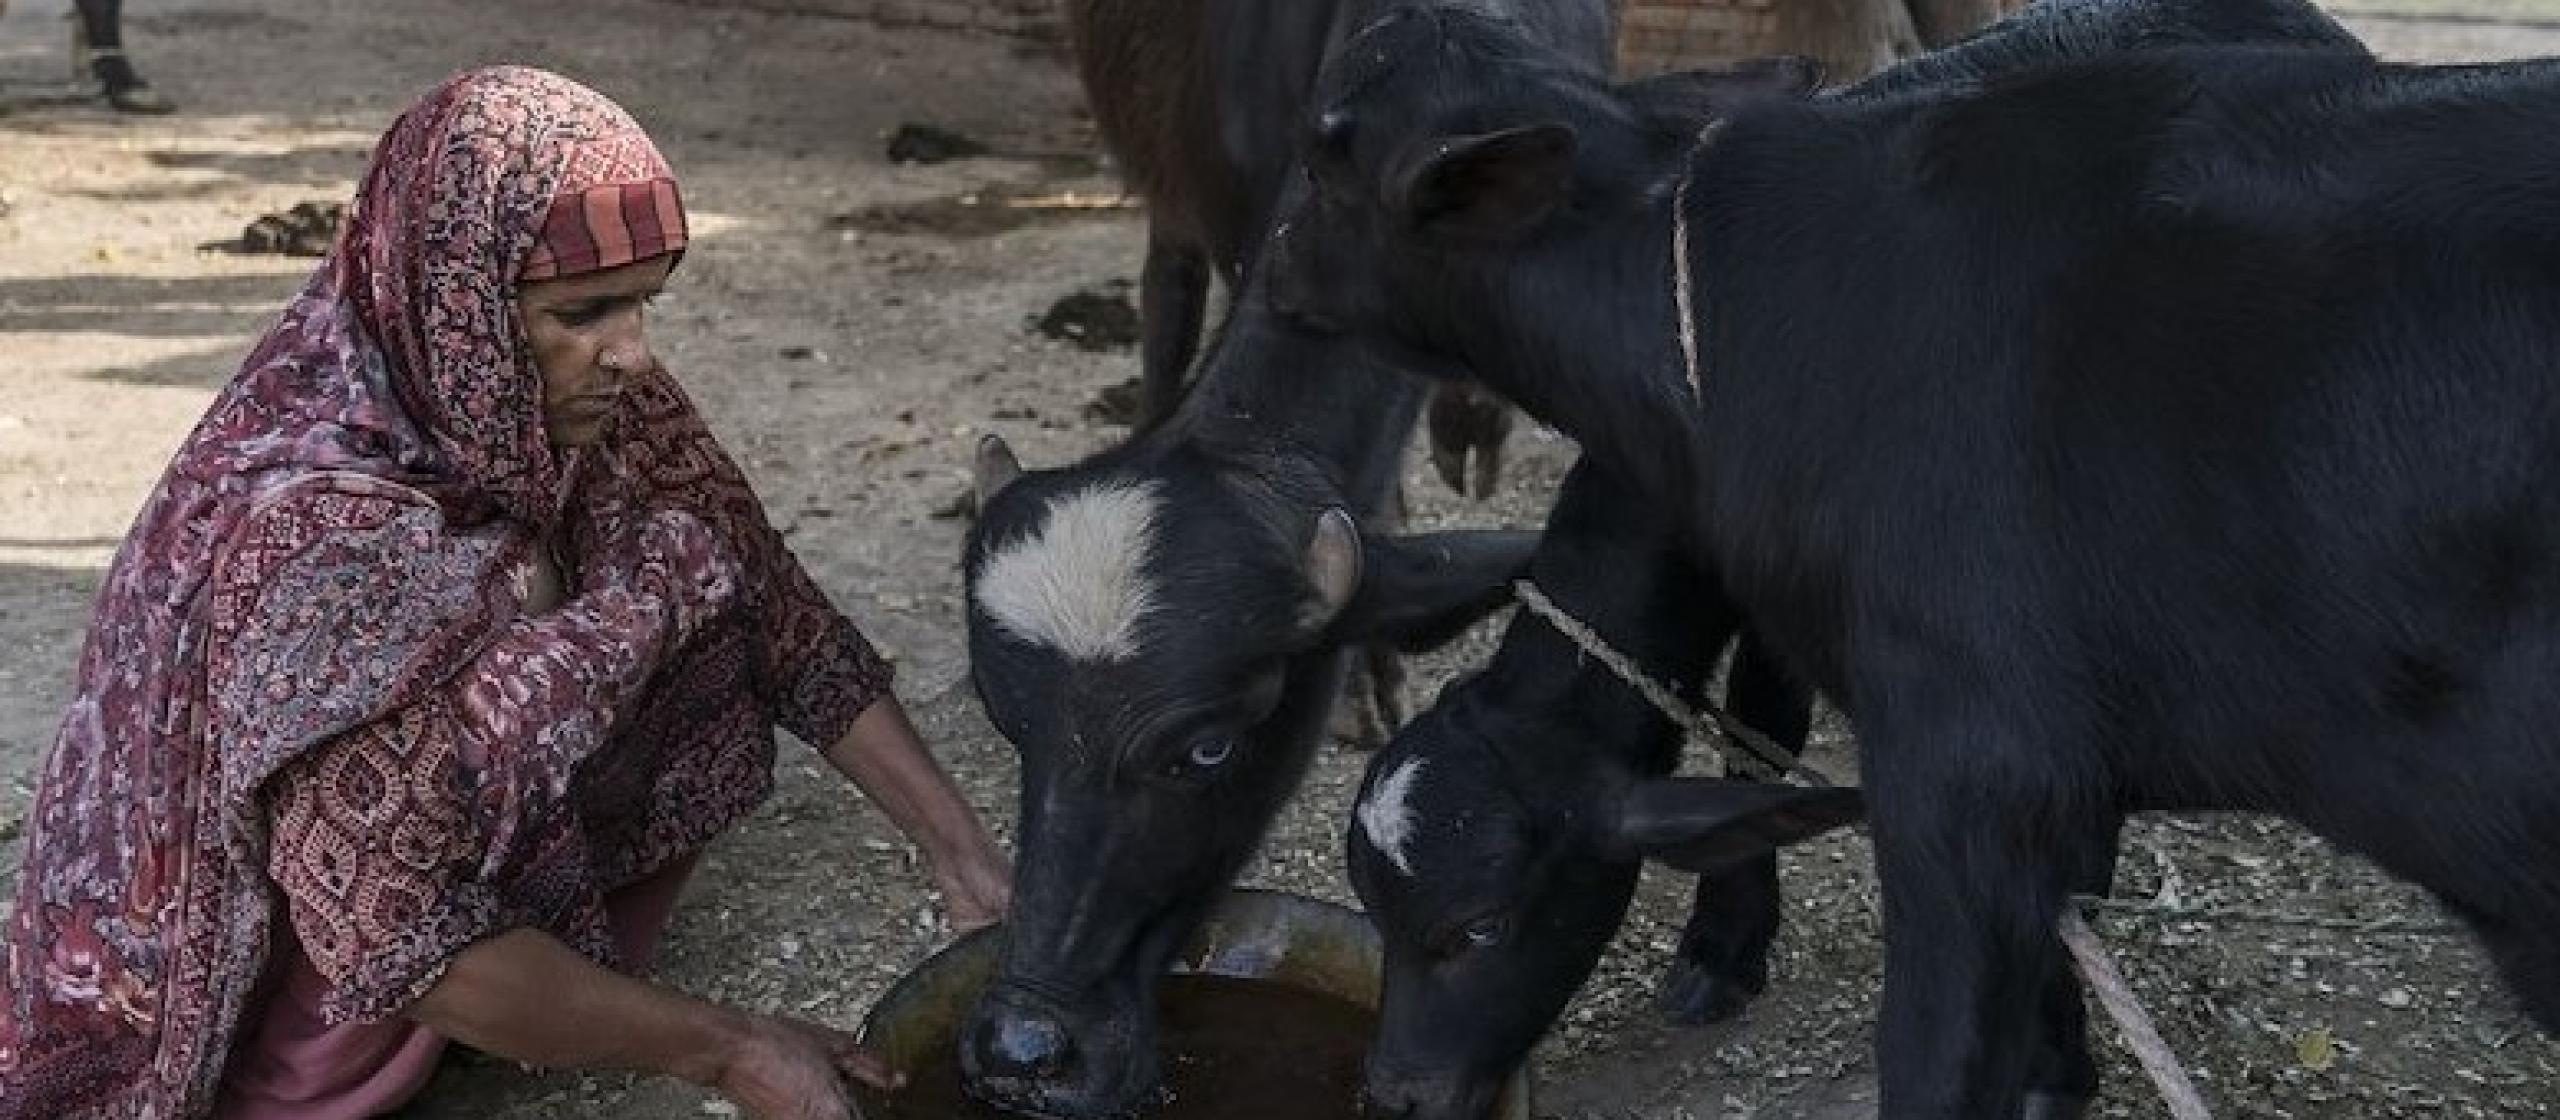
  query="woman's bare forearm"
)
[
  {"x": 526, "y": 996},
  {"x": 883, "y": 755}
]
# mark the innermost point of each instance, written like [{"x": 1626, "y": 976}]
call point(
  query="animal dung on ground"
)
[
  {"x": 1097, "y": 319},
  {"x": 924, "y": 143},
  {"x": 307, "y": 230}
]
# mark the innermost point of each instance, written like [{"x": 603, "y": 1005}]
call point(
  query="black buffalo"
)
[{"x": 2169, "y": 429}]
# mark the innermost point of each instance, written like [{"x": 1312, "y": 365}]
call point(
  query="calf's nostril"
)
[{"x": 1024, "y": 1046}]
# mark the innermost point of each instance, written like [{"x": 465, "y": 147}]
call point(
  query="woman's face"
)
[{"x": 589, "y": 341}]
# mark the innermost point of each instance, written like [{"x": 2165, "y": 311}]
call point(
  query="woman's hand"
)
[
  {"x": 525, "y": 995},
  {"x": 786, "y": 1069},
  {"x": 977, "y": 888},
  {"x": 543, "y": 586}
]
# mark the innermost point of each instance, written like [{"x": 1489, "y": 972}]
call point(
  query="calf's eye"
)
[
  {"x": 1485, "y": 933},
  {"x": 1209, "y": 754}
]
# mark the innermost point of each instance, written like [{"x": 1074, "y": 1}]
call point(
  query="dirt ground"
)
[{"x": 850, "y": 325}]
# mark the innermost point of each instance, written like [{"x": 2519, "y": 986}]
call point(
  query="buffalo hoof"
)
[
  {"x": 2045, "y": 1104},
  {"x": 1355, "y": 724},
  {"x": 1692, "y": 996}
]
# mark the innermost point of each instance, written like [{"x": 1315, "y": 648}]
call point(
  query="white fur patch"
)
[
  {"x": 1075, "y": 585},
  {"x": 1388, "y": 815}
]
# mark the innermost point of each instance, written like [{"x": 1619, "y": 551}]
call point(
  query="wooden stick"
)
[{"x": 2185, "y": 1103}]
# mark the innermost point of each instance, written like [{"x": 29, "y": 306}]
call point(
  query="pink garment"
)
[
  {"x": 310, "y": 687},
  {"x": 297, "y": 1066}
]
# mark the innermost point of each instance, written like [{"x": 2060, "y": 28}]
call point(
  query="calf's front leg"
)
[
  {"x": 2062, "y": 1077},
  {"x": 1978, "y": 842},
  {"x": 1723, "y": 960}
]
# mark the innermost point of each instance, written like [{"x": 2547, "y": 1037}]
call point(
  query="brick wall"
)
[{"x": 1658, "y": 35}]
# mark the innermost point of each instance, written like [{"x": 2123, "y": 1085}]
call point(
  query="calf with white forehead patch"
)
[
  {"x": 1161, "y": 632},
  {"x": 1498, "y": 839},
  {"x": 1076, "y": 583}
]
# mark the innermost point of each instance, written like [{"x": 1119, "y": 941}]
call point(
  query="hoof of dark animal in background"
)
[
  {"x": 1694, "y": 997},
  {"x": 2044, "y": 1105},
  {"x": 1356, "y": 724},
  {"x": 1095, "y": 319},
  {"x": 1451, "y": 465},
  {"x": 924, "y": 143},
  {"x": 1120, "y": 404}
]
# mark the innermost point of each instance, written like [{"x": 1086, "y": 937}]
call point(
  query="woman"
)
[{"x": 445, "y": 644}]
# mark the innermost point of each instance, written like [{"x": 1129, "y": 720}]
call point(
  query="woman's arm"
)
[
  {"x": 825, "y": 682},
  {"x": 882, "y": 754},
  {"x": 526, "y": 996}
]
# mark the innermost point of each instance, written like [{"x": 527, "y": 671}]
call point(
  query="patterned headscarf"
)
[
  {"x": 352, "y": 519},
  {"x": 608, "y": 226}
]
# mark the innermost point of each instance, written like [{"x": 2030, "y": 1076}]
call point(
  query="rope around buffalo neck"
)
[
  {"x": 1745, "y": 748},
  {"x": 1683, "y": 288}
]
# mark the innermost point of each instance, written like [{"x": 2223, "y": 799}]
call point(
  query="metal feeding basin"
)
[{"x": 1294, "y": 951}]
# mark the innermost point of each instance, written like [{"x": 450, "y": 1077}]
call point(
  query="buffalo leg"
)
[
  {"x": 1173, "y": 298},
  {"x": 1979, "y": 839},
  {"x": 2062, "y": 1077},
  {"x": 1723, "y": 960}
]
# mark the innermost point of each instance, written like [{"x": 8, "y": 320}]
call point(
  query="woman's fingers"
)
[
  {"x": 869, "y": 1068},
  {"x": 851, "y": 1059}
]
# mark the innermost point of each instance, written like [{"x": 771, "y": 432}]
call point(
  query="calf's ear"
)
[
  {"x": 1333, "y": 563},
  {"x": 1496, "y": 186},
  {"x": 993, "y": 469},
  {"x": 1420, "y": 590},
  {"x": 1704, "y": 824}
]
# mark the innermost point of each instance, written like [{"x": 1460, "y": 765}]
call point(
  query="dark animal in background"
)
[
  {"x": 1199, "y": 102},
  {"x": 1499, "y": 836},
  {"x": 2172, "y": 429}
]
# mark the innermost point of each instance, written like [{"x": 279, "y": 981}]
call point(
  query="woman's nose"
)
[{"x": 623, "y": 358}]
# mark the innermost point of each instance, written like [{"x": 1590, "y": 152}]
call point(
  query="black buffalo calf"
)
[
  {"x": 1160, "y": 631},
  {"x": 1498, "y": 837}
]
